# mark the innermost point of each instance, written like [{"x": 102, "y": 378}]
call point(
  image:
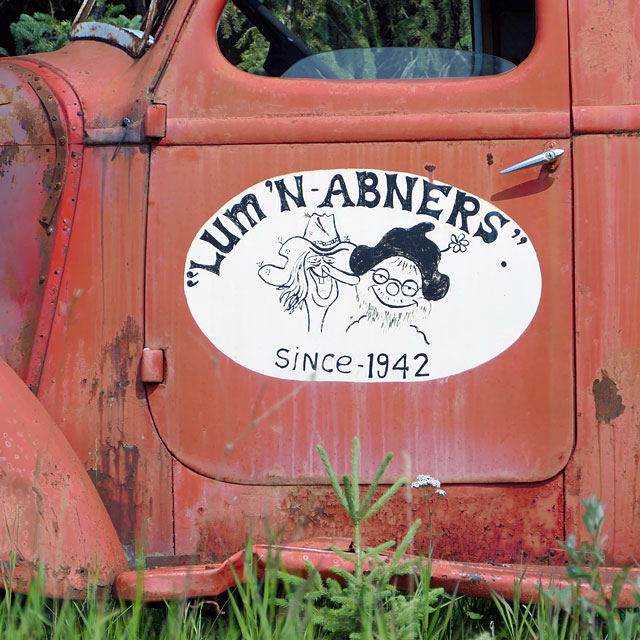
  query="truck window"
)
[{"x": 333, "y": 39}]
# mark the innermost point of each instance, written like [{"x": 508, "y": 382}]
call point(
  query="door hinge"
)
[
  {"x": 155, "y": 120},
  {"x": 152, "y": 366}
]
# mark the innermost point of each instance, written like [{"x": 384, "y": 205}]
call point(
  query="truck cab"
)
[{"x": 228, "y": 240}]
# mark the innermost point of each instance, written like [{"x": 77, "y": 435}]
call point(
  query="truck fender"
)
[{"x": 53, "y": 521}]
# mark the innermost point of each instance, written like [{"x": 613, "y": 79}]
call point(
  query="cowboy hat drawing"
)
[{"x": 321, "y": 238}]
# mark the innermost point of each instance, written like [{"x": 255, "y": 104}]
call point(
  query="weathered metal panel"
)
[
  {"x": 529, "y": 101},
  {"x": 606, "y": 459},
  {"x": 27, "y": 170},
  {"x": 502, "y": 523},
  {"x": 605, "y": 53},
  {"x": 25, "y": 248},
  {"x": 510, "y": 419},
  {"x": 90, "y": 382},
  {"x": 605, "y": 65},
  {"x": 59, "y": 186},
  {"x": 53, "y": 519}
]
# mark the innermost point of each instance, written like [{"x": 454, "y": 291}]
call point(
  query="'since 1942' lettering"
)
[{"x": 378, "y": 366}]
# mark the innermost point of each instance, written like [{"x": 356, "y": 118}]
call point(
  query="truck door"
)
[{"x": 335, "y": 253}]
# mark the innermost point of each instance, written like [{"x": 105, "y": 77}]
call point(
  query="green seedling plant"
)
[
  {"x": 366, "y": 603},
  {"x": 593, "y": 614}
]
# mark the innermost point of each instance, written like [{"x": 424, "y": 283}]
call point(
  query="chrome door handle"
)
[{"x": 542, "y": 158}]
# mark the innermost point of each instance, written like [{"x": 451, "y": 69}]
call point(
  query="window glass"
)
[{"x": 373, "y": 39}]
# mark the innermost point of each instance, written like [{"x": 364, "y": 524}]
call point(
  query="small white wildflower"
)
[
  {"x": 424, "y": 481},
  {"x": 441, "y": 492}
]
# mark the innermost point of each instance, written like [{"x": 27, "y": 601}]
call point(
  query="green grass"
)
[{"x": 252, "y": 611}]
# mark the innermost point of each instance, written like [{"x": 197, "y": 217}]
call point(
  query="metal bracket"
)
[{"x": 48, "y": 100}]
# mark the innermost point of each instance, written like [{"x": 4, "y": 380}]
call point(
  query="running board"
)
[{"x": 462, "y": 578}]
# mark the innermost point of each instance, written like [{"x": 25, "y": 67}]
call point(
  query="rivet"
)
[{"x": 49, "y": 230}]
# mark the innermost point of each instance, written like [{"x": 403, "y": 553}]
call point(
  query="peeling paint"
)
[
  {"x": 8, "y": 155},
  {"x": 608, "y": 402}
]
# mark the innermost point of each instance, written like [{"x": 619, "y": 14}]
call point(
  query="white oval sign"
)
[{"x": 361, "y": 275}]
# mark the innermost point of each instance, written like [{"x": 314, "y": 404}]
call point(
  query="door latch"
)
[{"x": 542, "y": 158}]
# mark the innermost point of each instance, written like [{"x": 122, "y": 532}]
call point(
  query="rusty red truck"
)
[{"x": 207, "y": 272}]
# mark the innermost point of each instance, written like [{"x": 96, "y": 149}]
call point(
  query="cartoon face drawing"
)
[
  {"x": 316, "y": 263},
  {"x": 396, "y": 283},
  {"x": 324, "y": 277},
  {"x": 399, "y": 277}
]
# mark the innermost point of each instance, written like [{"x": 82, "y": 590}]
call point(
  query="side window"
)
[{"x": 376, "y": 39}]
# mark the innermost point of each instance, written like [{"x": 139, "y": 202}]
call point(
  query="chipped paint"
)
[
  {"x": 8, "y": 155},
  {"x": 608, "y": 402},
  {"x": 55, "y": 516},
  {"x": 509, "y": 523}
]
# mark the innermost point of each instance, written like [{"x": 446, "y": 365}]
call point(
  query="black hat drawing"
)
[{"x": 411, "y": 244}]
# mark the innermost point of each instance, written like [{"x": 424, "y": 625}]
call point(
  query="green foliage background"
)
[
  {"x": 42, "y": 32},
  {"x": 42, "y": 25},
  {"x": 326, "y": 25},
  {"x": 35, "y": 26}
]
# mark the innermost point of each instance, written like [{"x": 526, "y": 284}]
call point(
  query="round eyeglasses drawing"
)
[{"x": 395, "y": 294}]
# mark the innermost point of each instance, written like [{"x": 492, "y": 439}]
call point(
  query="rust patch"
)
[
  {"x": 607, "y": 399},
  {"x": 122, "y": 352},
  {"x": 6, "y": 95},
  {"x": 116, "y": 484},
  {"x": 116, "y": 470},
  {"x": 39, "y": 501},
  {"x": 28, "y": 120},
  {"x": 7, "y": 157}
]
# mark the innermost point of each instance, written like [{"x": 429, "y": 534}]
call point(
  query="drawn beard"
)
[{"x": 386, "y": 317}]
